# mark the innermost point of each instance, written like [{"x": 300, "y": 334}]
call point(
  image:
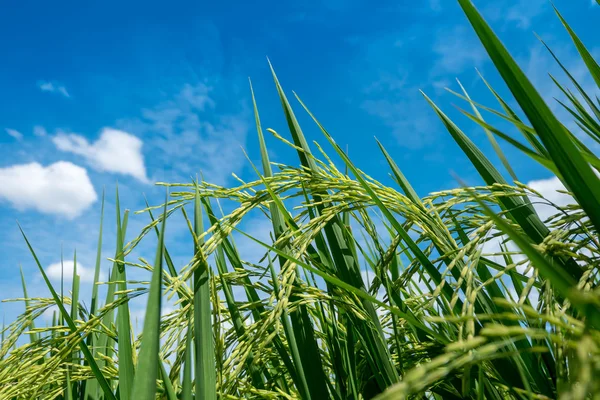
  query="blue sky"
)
[{"x": 95, "y": 93}]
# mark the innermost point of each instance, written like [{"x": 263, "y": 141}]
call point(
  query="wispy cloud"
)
[
  {"x": 407, "y": 116},
  {"x": 189, "y": 135},
  {"x": 435, "y": 5},
  {"x": 394, "y": 96},
  {"x": 40, "y": 131},
  {"x": 115, "y": 151},
  {"x": 14, "y": 133},
  {"x": 61, "y": 188},
  {"x": 456, "y": 49},
  {"x": 519, "y": 14},
  {"x": 53, "y": 87},
  {"x": 524, "y": 11}
]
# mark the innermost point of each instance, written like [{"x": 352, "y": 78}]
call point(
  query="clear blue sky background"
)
[{"x": 81, "y": 80}]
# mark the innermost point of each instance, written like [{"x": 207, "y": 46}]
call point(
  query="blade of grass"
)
[
  {"x": 546, "y": 162},
  {"x": 168, "y": 385},
  {"x": 581, "y": 91},
  {"x": 186, "y": 388},
  {"x": 206, "y": 380},
  {"x": 33, "y": 336},
  {"x": 586, "y": 56},
  {"x": 74, "y": 289},
  {"x": 144, "y": 384},
  {"x": 125, "y": 347},
  {"x": 91, "y": 386},
  {"x": 93, "y": 304},
  {"x": 234, "y": 312},
  {"x": 68, "y": 388}
]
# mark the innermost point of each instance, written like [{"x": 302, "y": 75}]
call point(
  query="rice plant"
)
[{"x": 468, "y": 292}]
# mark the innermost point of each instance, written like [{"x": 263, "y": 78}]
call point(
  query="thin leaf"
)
[{"x": 144, "y": 385}]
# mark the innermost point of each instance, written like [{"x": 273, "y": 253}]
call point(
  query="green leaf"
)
[
  {"x": 168, "y": 385},
  {"x": 144, "y": 384},
  {"x": 261, "y": 139},
  {"x": 586, "y": 56},
  {"x": 186, "y": 388},
  {"x": 91, "y": 386},
  {"x": 168, "y": 260},
  {"x": 581, "y": 91},
  {"x": 227, "y": 248},
  {"x": 94, "y": 303},
  {"x": 74, "y": 289},
  {"x": 546, "y": 162},
  {"x": 206, "y": 381},
  {"x": 69, "y": 389},
  {"x": 33, "y": 336},
  {"x": 125, "y": 348}
]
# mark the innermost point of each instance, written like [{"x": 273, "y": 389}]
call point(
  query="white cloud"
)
[
  {"x": 61, "y": 188},
  {"x": 54, "y": 271},
  {"x": 115, "y": 151},
  {"x": 14, "y": 133},
  {"x": 53, "y": 87},
  {"x": 39, "y": 130},
  {"x": 549, "y": 188},
  {"x": 457, "y": 49}
]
